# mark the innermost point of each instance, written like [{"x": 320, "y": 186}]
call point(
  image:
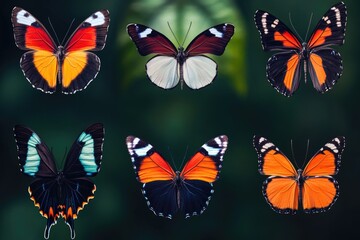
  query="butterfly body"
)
[
  {"x": 60, "y": 192},
  {"x": 323, "y": 63},
  {"x": 171, "y": 65},
  {"x": 312, "y": 188},
  {"x": 167, "y": 191},
  {"x": 72, "y": 65}
]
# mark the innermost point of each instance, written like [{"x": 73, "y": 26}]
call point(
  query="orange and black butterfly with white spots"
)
[
  {"x": 72, "y": 66},
  {"x": 167, "y": 191},
  {"x": 313, "y": 188},
  {"x": 324, "y": 64}
]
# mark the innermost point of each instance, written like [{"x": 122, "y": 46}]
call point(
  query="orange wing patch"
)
[
  {"x": 318, "y": 66},
  {"x": 282, "y": 194},
  {"x": 200, "y": 167},
  {"x": 291, "y": 67},
  {"x": 322, "y": 164},
  {"x": 277, "y": 164},
  {"x": 46, "y": 64},
  {"x": 74, "y": 63},
  {"x": 287, "y": 39},
  {"x": 319, "y": 37},
  {"x": 318, "y": 194},
  {"x": 155, "y": 168}
]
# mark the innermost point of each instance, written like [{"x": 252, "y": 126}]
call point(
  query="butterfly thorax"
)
[
  {"x": 300, "y": 178},
  {"x": 60, "y": 53},
  {"x": 181, "y": 56},
  {"x": 304, "y": 51},
  {"x": 60, "y": 177},
  {"x": 178, "y": 182}
]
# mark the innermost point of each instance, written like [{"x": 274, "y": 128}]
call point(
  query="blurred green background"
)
[{"x": 239, "y": 103}]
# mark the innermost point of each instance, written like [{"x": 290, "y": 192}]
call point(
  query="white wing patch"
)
[
  {"x": 96, "y": 19},
  {"x": 145, "y": 33},
  {"x": 163, "y": 71},
  {"x": 199, "y": 71},
  {"x": 216, "y": 32},
  {"x": 24, "y": 17}
]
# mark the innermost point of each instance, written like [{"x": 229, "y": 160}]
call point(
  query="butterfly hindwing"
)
[{"x": 167, "y": 191}]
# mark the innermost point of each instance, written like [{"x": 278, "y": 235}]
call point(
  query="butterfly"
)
[
  {"x": 323, "y": 63},
  {"x": 189, "y": 65},
  {"x": 313, "y": 188},
  {"x": 167, "y": 191},
  {"x": 60, "y": 192},
  {"x": 72, "y": 66}
]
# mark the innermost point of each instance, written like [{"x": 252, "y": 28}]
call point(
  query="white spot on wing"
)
[
  {"x": 263, "y": 22},
  {"x": 24, "y": 17},
  {"x": 145, "y": 33},
  {"x": 96, "y": 19},
  {"x": 216, "y": 32},
  {"x": 142, "y": 151},
  {"x": 332, "y": 147},
  {"x": 337, "y": 15},
  {"x": 211, "y": 151}
]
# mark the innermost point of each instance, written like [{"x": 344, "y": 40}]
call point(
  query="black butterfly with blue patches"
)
[{"x": 60, "y": 192}]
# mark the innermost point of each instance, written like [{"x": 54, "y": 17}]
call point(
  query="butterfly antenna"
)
[
  {"x": 308, "y": 28},
  {"x": 172, "y": 158},
  {"x": 306, "y": 154},
  {"x": 63, "y": 159},
  {"x": 187, "y": 148},
  {"x": 187, "y": 34},
  {"x": 57, "y": 39},
  {"x": 293, "y": 154},
  {"x": 173, "y": 34},
  {"x": 292, "y": 25},
  {"x": 67, "y": 32}
]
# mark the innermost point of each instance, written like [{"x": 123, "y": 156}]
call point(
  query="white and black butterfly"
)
[{"x": 172, "y": 64}]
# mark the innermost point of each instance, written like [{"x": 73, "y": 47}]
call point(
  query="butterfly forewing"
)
[
  {"x": 330, "y": 30},
  {"x": 150, "y": 41},
  {"x": 212, "y": 40},
  {"x": 274, "y": 34},
  {"x": 327, "y": 160}
]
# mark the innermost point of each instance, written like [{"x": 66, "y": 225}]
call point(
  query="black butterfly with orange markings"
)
[
  {"x": 313, "y": 188},
  {"x": 167, "y": 191},
  {"x": 324, "y": 64}
]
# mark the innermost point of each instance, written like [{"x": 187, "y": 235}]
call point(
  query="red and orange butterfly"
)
[
  {"x": 47, "y": 64},
  {"x": 286, "y": 188},
  {"x": 167, "y": 191},
  {"x": 323, "y": 63}
]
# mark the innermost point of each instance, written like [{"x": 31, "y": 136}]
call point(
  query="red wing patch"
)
[
  {"x": 212, "y": 40},
  {"x": 150, "y": 41}
]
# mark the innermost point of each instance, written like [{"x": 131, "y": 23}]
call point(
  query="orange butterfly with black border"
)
[
  {"x": 72, "y": 66},
  {"x": 283, "y": 69},
  {"x": 167, "y": 191},
  {"x": 313, "y": 188}
]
